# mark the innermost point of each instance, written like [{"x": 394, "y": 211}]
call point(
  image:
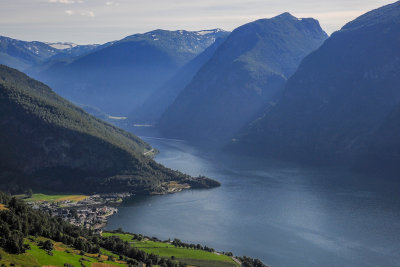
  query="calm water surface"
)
[{"x": 283, "y": 214}]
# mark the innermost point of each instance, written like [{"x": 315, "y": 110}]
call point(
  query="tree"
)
[{"x": 48, "y": 245}]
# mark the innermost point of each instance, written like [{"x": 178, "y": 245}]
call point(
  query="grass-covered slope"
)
[
  {"x": 242, "y": 76},
  {"x": 48, "y": 143},
  {"x": 59, "y": 256},
  {"x": 342, "y": 104},
  {"x": 193, "y": 255}
]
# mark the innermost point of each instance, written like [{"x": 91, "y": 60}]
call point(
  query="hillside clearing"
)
[{"x": 55, "y": 198}]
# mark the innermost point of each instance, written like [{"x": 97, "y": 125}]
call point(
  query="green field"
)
[
  {"x": 124, "y": 237},
  {"x": 55, "y": 198},
  {"x": 190, "y": 256},
  {"x": 62, "y": 254}
]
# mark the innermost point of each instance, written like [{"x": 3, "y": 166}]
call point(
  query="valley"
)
[{"x": 275, "y": 141}]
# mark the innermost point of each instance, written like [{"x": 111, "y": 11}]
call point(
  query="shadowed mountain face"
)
[
  {"x": 48, "y": 143},
  {"x": 155, "y": 105},
  {"x": 244, "y": 74},
  {"x": 343, "y": 102},
  {"x": 120, "y": 76}
]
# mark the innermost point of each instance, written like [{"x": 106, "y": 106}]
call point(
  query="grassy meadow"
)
[
  {"x": 55, "y": 198},
  {"x": 60, "y": 255},
  {"x": 189, "y": 256}
]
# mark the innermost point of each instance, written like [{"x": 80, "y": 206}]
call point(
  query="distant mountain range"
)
[
  {"x": 22, "y": 55},
  {"x": 27, "y": 56},
  {"x": 343, "y": 103},
  {"x": 244, "y": 74},
  {"x": 119, "y": 76},
  {"x": 47, "y": 143}
]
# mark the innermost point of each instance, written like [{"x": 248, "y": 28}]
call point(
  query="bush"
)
[{"x": 47, "y": 245}]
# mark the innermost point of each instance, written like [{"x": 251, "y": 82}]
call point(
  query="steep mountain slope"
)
[
  {"x": 119, "y": 77},
  {"x": 343, "y": 102},
  {"x": 48, "y": 143},
  {"x": 21, "y": 55},
  {"x": 151, "y": 110},
  {"x": 244, "y": 74}
]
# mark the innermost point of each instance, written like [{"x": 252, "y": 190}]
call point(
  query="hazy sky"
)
[{"x": 99, "y": 21}]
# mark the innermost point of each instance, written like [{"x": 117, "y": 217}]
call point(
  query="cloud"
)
[
  {"x": 62, "y": 1},
  {"x": 66, "y": 1},
  {"x": 69, "y": 12},
  {"x": 85, "y": 13},
  {"x": 111, "y": 3}
]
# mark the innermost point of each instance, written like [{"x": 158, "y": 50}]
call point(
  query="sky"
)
[{"x": 100, "y": 21}]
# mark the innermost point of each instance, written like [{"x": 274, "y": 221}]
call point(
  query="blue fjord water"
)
[{"x": 281, "y": 213}]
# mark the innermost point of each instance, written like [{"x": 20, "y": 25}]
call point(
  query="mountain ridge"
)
[
  {"x": 332, "y": 108},
  {"x": 245, "y": 72},
  {"x": 118, "y": 77}
]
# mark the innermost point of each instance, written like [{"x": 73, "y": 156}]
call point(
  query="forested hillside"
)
[{"x": 48, "y": 143}]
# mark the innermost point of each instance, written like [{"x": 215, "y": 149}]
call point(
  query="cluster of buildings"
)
[{"x": 91, "y": 212}]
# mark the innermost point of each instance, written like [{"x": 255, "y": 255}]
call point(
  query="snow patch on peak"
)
[
  {"x": 205, "y": 32},
  {"x": 62, "y": 46}
]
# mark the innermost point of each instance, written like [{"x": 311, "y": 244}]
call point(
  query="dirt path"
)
[
  {"x": 150, "y": 151},
  {"x": 237, "y": 261}
]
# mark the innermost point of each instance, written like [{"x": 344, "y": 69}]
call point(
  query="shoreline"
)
[{"x": 93, "y": 211}]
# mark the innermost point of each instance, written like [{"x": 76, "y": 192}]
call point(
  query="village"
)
[{"x": 90, "y": 212}]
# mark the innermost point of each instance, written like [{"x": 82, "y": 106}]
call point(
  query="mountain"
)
[
  {"x": 120, "y": 76},
  {"x": 73, "y": 52},
  {"x": 48, "y": 143},
  {"x": 21, "y": 54},
  {"x": 35, "y": 56},
  {"x": 154, "y": 106},
  {"x": 66, "y": 53},
  {"x": 343, "y": 103},
  {"x": 244, "y": 74}
]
